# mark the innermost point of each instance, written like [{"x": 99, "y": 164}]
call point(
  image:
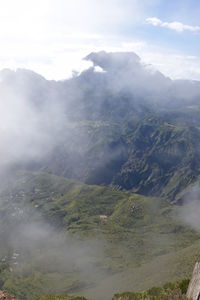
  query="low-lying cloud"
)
[
  {"x": 190, "y": 212},
  {"x": 36, "y": 115}
]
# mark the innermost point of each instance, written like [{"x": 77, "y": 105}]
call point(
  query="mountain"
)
[
  {"x": 125, "y": 124},
  {"x": 61, "y": 235},
  {"x": 86, "y": 167}
]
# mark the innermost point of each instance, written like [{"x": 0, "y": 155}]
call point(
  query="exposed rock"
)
[
  {"x": 5, "y": 296},
  {"x": 103, "y": 218},
  {"x": 194, "y": 286}
]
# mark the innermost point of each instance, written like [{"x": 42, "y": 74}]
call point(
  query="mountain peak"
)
[{"x": 113, "y": 60}]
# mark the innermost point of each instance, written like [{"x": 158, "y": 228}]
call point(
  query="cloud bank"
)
[
  {"x": 52, "y": 40},
  {"x": 38, "y": 115}
]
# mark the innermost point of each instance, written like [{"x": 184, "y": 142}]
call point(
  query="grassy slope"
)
[{"x": 140, "y": 238}]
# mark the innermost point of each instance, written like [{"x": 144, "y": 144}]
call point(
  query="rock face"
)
[
  {"x": 5, "y": 296},
  {"x": 194, "y": 286}
]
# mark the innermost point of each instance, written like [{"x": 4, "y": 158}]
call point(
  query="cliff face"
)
[{"x": 194, "y": 286}]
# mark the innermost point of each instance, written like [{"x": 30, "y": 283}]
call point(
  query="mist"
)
[
  {"x": 35, "y": 247},
  {"x": 191, "y": 207},
  {"x": 38, "y": 247},
  {"x": 38, "y": 115},
  {"x": 29, "y": 123},
  {"x": 66, "y": 128}
]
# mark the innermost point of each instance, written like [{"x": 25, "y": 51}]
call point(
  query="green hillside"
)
[
  {"x": 98, "y": 236},
  {"x": 156, "y": 156}
]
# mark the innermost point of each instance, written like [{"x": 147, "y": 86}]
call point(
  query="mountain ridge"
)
[{"x": 108, "y": 127}]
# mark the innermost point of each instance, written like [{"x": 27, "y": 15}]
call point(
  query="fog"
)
[
  {"x": 40, "y": 248},
  {"x": 44, "y": 122},
  {"x": 191, "y": 207},
  {"x": 29, "y": 118},
  {"x": 37, "y": 115}
]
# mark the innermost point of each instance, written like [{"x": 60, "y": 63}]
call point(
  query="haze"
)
[{"x": 51, "y": 37}]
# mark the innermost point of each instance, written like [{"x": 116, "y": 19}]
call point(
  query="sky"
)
[{"x": 51, "y": 37}]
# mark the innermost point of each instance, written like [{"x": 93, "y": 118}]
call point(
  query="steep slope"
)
[
  {"x": 163, "y": 159},
  {"x": 150, "y": 157},
  {"x": 126, "y": 125},
  {"x": 86, "y": 167}
]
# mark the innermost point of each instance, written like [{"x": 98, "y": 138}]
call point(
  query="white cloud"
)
[
  {"x": 154, "y": 21},
  {"x": 52, "y": 36},
  {"x": 176, "y": 65},
  {"x": 57, "y": 60},
  {"x": 176, "y": 26}
]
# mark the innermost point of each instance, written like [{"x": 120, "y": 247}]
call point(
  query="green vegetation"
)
[
  {"x": 121, "y": 236},
  {"x": 170, "y": 291},
  {"x": 157, "y": 155},
  {"x": 98, "y": 211},
  {"x": 60, "y": 297}
]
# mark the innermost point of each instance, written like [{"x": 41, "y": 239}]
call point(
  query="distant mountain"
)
[
  {"x": 120, "y": 122},
  {"x": 86, "y": 166}
]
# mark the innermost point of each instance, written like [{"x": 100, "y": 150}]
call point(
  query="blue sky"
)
[{"x": 52, "y": 36}]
